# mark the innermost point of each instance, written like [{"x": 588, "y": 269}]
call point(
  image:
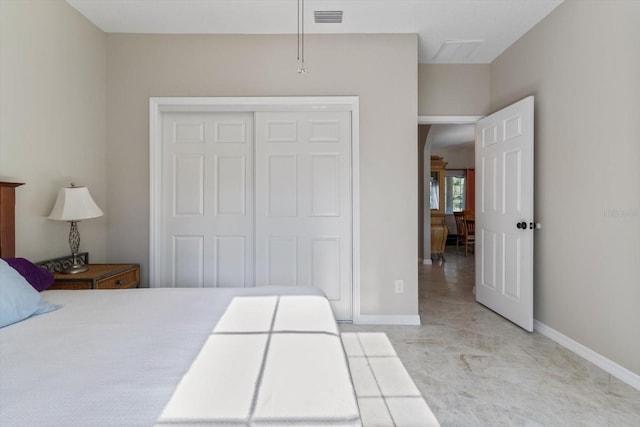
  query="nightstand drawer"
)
[
  {"x": 100, "y": 276},
  {"x": 127, "y": 279},
  {"x": 62, "y": 284}
]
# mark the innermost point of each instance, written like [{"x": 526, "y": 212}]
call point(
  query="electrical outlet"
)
[{"x": 399, "y": 286}]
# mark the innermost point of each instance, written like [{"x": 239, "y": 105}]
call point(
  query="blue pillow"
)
[{"x": 18, "y": 299}]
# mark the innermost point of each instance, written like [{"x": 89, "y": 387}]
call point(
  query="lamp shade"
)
[{"x": 74, "y": 204}]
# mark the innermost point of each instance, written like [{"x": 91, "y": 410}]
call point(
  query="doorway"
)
[
  {"x": 450, "y": 131},
  {"x": 453, "y": 139}
]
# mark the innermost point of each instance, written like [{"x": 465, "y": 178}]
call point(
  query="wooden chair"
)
[
  {"x": 469, "y": 234},
  {"x": 466, "y": 230}
]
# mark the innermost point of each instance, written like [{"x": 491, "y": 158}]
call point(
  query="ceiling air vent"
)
[
  {"x": 458, "y": 49},
  {"x": 328, "y": 16}
]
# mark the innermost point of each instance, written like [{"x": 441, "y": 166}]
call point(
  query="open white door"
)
[{"x": 504, "y": 212}]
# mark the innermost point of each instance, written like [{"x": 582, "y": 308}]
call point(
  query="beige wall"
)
[
  {"x": 582, "y": 65},
  {"x": 456, "y": 157},
  {"x": 52, "y": 120},
  {"x": 453, "y": 89},
  {"x": 141, "y": 66}
]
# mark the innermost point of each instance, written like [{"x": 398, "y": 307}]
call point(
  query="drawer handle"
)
[{"x": 119, "y": 282}]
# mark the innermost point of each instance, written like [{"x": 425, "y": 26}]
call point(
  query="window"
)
[{"x": 454, "y": 191}]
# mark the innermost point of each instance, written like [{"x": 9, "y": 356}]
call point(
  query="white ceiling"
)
[{"x": 496, "y": 23}]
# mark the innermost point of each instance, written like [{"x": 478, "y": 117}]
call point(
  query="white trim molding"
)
[
  {"x": 158, "y": 105},
  {"x": 607, "y": 365},
  {"x": 387, "y": 319},
  {"x": 433, "y": 120}
]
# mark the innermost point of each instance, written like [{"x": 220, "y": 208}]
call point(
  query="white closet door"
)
[
  {"x": 207, "y": 200},
  {"x": 303, "y": 203}
]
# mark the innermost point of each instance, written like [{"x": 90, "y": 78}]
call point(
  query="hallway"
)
[{"x": 475, "y": 368}]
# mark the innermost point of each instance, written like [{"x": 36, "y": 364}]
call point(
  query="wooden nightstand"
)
[{"x": 100, "y": 276}]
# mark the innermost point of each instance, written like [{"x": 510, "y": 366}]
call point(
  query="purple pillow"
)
[{"x": 38, "y": 277}]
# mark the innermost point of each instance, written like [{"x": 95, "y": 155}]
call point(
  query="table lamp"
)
[{"x": 74, "y": 204}]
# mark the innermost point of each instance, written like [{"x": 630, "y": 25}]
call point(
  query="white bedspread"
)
[{"x": 118, "y": 358}]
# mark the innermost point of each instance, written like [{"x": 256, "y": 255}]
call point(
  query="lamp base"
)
[
  {"x": 75, "y": 268},
  {"x": 74, "y": 242}
]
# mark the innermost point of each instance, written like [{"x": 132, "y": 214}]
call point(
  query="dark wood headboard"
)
[{"x": 8, "y": 219}]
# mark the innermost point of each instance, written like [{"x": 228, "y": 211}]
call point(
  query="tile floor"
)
[
  {"x": 387, "y": 396},
  {"x": 476, "y": 369}
]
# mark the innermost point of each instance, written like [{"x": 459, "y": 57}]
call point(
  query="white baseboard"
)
[
  {"x": 427, "y": 261},
  {"x": 620, "y": 372},
  {"x": 386, "y": 319}
]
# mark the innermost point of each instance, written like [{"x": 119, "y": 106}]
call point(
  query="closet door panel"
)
[
  {"x": 303, "y": 203},
  {"x": 207, "y": 200},
  {"x": 282, "y": 185}
]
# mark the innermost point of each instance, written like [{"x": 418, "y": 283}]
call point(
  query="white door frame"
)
[
  {"x": 159, "y": 105},
  {"x": 426, "y": 220}
]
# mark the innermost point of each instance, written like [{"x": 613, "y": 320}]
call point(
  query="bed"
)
[
  {"x": 253, "y": 356},
  {"x": 265, "y": 356}
]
